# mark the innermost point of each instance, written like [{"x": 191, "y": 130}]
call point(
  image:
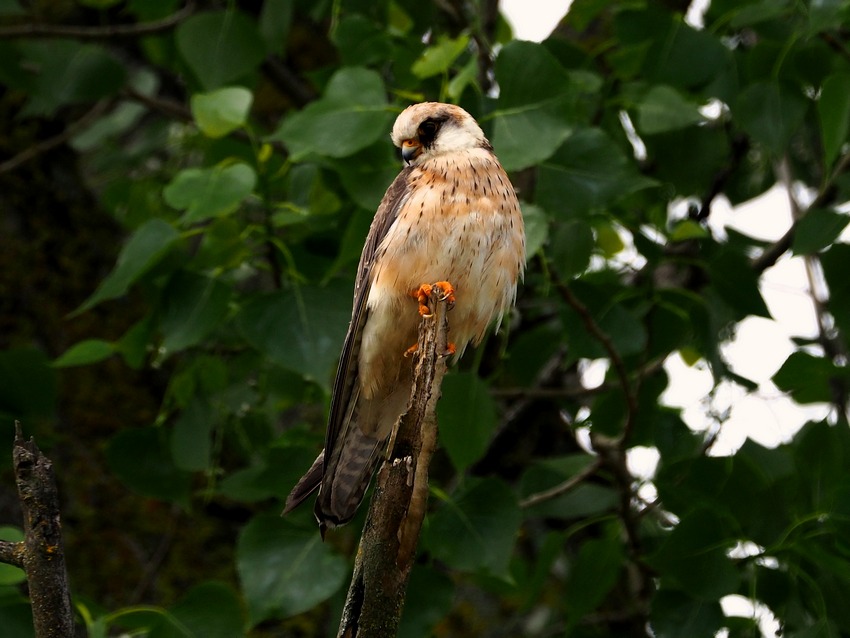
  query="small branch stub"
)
[{"x": 388, "y": 545}]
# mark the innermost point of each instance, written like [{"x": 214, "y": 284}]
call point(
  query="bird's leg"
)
[{"x": 441, "y": 291}]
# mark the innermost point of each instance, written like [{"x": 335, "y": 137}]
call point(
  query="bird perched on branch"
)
[{"x": 452, "y": 216}]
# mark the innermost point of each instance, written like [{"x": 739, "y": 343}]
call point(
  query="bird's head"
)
[{"x": 429, "y": 129}]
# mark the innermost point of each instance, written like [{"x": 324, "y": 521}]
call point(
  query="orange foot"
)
[{"x": 424, "y": 292}]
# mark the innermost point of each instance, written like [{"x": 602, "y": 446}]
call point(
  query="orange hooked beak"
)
[{"x": 410, "y": 150}]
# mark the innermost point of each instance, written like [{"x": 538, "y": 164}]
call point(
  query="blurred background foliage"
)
[{"x": 185, "y": 190}]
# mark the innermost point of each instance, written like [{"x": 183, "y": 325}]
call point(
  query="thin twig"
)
[
  {"x": 616, "y": 360},
  {"x": 110, "y": 32},
  {"x": 772, "y": 253},
  {"x": 57, "y": 140},
  {"x": 562, "y": 488}
]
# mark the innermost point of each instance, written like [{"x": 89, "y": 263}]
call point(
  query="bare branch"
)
[
  {"x": 388, "y": 545},
  {"x": 43, "y": 555},
  {"x": 57, "y": 140},
  {"x": 772, "y": 253},
  {"x": 567, "y": 486},
  {"x": 12, "y": 553},
  {"x": 110, "y": 32},
  {"x": 616, "y": 360}
]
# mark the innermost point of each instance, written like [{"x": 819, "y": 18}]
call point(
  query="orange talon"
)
[
  {"x": 451, "y": 348},
  {"x": 422, "y": 294},
  {"x": 411, "y": 350},
  {"x": 448, "y": 292}
]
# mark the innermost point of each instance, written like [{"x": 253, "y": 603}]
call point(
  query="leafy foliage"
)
[{"x": 191, "y": 187}]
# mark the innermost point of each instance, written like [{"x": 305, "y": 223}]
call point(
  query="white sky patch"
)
[{"x": 534, "y": 19}]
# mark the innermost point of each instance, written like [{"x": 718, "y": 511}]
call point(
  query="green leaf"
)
[
  {"x": 220, "y": 46},
  {"x": 221, "y": 111},
  {"x": 694, "y": 557},
  {"x": 352, "y": 115},
  {"x": 209, "y": 192},
  {"x": 588, "y": 172},
  {"x": 771, "y": 112},
  {"x": 476, "y": 530},
  {"x": 11, "y": 8},
  {"x": 664, "y": 109},
  {"x": 834, "y": 114},
  {"x": 145, "y": 248},
  {"x": 208, "y": 610},
  {"x": 438, "y": 58},
  {"x": 9, "y": 574},
  {"x": 84, "y": 353},
  {"x": 532, "y": 118},
  {"x": 592, "y": 575},
  {"x": 275, "y": 21},
  {"x": 467, "y": 416},
  {"x": 28, "y": 384},
  {"x": 688, "y": 229},
  {"x": 737, "y": 284},
  {"x": 67, "y": 72},
  {"x": 192, "y": 306},
  {"x": 536, "y": 228},
  {"x": 571, "y": 248},
  {"x": 807, "y": 378},
  {"x": 432, "y": 592},
  {"x": 16, "y": 618},
  {"x": 817, "y": 230},
  {"x": 825, "y": 14},
  {"x": 300, "y": 330},
  {"x": 361, "y": 41},
  {"x": 191, "y": 438},
  {"x": 834, "y": 262},
  {"x": 675, "y": 614},
  {"x": 285, "y": 570},
  {"x": 140, "y": 458}
]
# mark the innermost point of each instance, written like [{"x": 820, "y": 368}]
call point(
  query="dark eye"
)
[{"x": 427, "y": 131}]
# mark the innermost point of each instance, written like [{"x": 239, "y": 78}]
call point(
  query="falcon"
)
[{"x": 451, "y": 216}]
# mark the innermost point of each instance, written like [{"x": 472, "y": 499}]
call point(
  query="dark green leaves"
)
[
  {"x": 141, "y": 458},
  {"x": 285, "y": 570},
  {"x": 143, "y": 250},
  {"x": 301, "y": 330},
  {"x": 588, "y": 172},
  {"x": 665, "y": 109},
  {"x": 59, "y": 73},
  {"x": 467, "y": 417},
  {"x": 771, "y": 112},
  {"x": 808, "y": 378},
  {"x": 817, "y": 230},
  {"x": 352, "y": 115},
  {"x": 694, "y": 557},
  {"x": 220, "y": 46},
  {"x": 532, "y": 119},
  {"x": 834, "y": 114},
  {"x": 476, "y": 529},
  {"x": 192, "y": 307},
  {"x": 209, "y": 610}
]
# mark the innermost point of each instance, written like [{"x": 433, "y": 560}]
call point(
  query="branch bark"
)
[
  {"x": 41, "y": 553},
  {"x": 388, "y": 545},
  {"x": 108, "y": 32}
]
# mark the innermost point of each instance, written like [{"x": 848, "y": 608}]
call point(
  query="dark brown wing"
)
[{"x": 346, "y": 375}]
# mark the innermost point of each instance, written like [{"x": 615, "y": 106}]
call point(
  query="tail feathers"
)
[
  {"x": 306, "y": 486},
  {"x": 347, "y": 477}
]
